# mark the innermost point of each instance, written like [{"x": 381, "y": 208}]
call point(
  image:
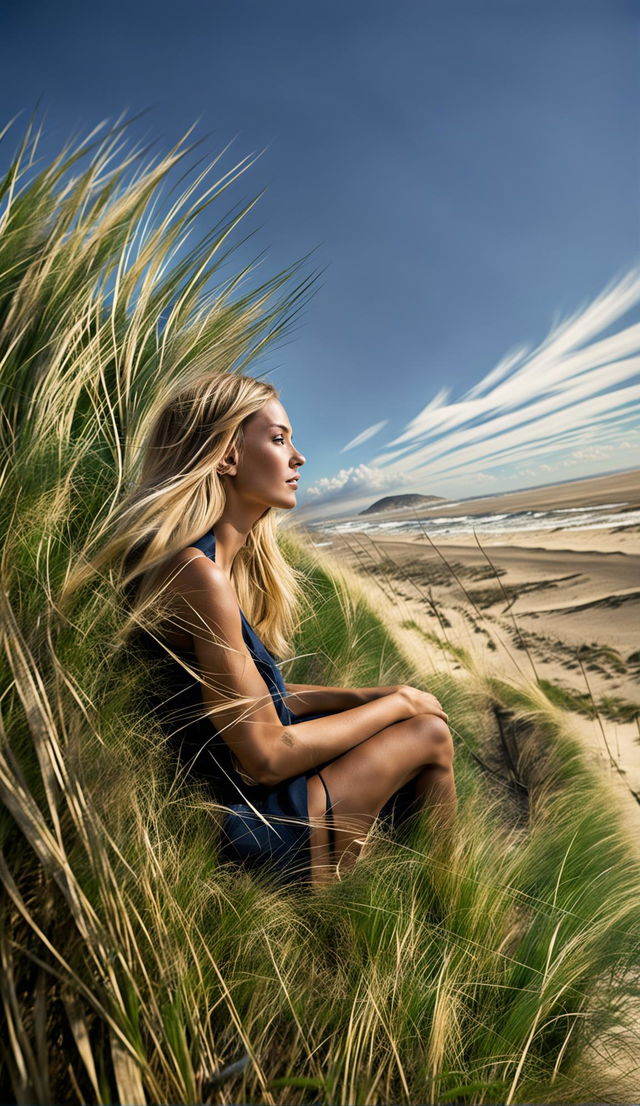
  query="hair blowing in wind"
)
[{"x": 179, "y": 495}]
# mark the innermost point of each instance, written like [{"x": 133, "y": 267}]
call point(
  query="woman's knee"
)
[{"x": 437, "y": 737}]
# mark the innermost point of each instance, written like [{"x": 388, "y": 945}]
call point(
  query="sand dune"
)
[{"x": 567, "y": 601}]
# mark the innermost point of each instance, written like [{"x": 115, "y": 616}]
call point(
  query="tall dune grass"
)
[{"x": 135, "y": 968}]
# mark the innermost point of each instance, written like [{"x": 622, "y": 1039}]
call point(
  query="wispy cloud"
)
[
  {"x": 364, "y": 436},
  {"x": 563, "y": 387},
  {"x": 573, "y": 393}
]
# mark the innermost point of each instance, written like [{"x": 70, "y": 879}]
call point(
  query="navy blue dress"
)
[{"x": 265, "y": 827}]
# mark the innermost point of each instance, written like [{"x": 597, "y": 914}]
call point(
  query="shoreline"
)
[{"x": 621, "y": 490}]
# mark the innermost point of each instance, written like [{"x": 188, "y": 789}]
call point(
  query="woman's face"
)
[{"x": 268, "y": 461}]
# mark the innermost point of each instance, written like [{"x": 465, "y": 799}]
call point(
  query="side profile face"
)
[{"x": 266, "y": 467}]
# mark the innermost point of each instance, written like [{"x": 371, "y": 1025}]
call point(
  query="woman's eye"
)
[{"x": 279, "y": 438}]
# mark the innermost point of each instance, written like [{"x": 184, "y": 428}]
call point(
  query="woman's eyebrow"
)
[{"x": 287, "y": 429}]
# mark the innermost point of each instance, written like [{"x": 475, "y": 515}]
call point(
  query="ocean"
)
[{"x": 602, "y": 517}]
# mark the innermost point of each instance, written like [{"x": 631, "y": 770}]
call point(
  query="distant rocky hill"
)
[{"x": 394, "y": 502}]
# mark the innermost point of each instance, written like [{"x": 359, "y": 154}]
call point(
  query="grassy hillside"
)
[{"x": 135, "y": 968}]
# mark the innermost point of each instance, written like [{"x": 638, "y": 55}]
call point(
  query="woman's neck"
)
[{"x": 229, "y": 538}]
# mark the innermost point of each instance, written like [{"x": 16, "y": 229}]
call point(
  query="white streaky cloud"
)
[
  {"x": 548, "y": 365},
  {"x": 572, "y": 392},
  {"x": 414, "y": 429},
  {"x": 559, "y": 447},
  {"x": 517, "y": 431},
  {"x": 364, "y": 436},
  {"x": 539, "y": 420},
  {"x": 549, "y": 435},
  {"x": 583, "y": 373},
  {"x": 563, "y": 382},
  {"x": 501, "y": 369}
]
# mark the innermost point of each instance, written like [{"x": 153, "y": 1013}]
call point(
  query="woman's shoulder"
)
[
  {"x": 194, "y": 591},
  {"x": 197, "y": 582},
  {"x": 191, "y": 566}
]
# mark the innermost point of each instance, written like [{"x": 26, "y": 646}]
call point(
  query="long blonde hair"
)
[{"x": 179, "y": 496}]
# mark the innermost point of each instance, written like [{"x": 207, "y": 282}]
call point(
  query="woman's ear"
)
[{"x": 229, "y": 466}]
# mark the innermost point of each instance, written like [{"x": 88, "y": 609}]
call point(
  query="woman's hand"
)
[{"x": 421, "y": 702}]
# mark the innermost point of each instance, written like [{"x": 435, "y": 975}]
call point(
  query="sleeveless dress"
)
[{"x": 264, "y": 827}]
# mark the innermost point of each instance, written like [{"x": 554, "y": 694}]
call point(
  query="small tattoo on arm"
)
[{"x": 286, "y": 738}]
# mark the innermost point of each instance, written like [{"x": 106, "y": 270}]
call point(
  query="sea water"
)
[{"x": 601, "y": 517}]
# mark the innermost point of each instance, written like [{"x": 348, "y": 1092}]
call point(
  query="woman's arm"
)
[
  {"x": 243, "y": 711},
  {"x": 306, "y": 744},
  {"x": 313, "y": 699}
]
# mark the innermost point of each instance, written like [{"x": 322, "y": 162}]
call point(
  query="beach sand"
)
[{"x": 564, "y": 603}]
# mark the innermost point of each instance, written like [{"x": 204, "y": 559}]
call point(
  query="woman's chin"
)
[{"x": 288, "y": 506}]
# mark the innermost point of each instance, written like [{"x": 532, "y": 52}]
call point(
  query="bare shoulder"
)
[
  {"x": 190, "y": 568},
  {"x": 198, "y": 584}
]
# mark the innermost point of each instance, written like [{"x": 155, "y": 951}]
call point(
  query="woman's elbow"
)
[
  {"x": 269, "y": 779},
  {"x": 269, "y": 773},
  {"x": 266, "y": 764},
  {"x": 256, "y": 774}
]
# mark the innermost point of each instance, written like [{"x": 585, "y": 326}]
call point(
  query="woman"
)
[{"x": 303, "y": 771}]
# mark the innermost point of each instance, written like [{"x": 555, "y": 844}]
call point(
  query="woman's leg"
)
[{"x": 361, "y": 780}]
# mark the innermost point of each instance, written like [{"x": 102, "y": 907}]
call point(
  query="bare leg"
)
[
  {"x": 436, "y": 791},
  {"x": 322, "y": 871},
  {"x": 361, "y": 780}
]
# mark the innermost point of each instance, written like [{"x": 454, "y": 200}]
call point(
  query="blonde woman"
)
[{"x": 302, "y": 771}]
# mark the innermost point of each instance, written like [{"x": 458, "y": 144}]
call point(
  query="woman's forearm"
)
[
  {"x": 313, "y": 699},
  {"x": 305, "y": 745}
]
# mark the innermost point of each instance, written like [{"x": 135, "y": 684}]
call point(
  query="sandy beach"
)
[{"x": 563, "y": 602}]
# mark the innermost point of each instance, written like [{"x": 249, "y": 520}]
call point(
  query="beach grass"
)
[{"x": 135, "y": 967}]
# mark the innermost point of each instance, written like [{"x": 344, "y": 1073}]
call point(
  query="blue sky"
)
[{"x": 467, "y": 172}]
